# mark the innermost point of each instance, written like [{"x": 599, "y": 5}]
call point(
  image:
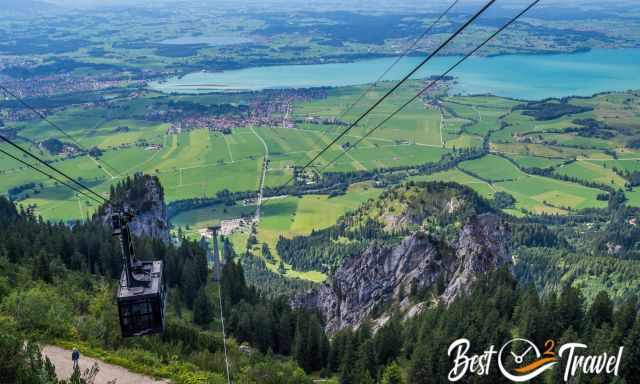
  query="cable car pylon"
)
[
  {"x": 217, "y": 267},
  {"x": 217, "y": 274}
]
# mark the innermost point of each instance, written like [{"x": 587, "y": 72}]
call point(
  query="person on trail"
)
[{"x": 75, "y": 356}]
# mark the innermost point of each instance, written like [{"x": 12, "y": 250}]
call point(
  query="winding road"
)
[{"x": 265, "y": 166}]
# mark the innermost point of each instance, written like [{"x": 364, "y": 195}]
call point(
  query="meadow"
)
[
  {"x": 288, "y": 217},
  {"x": 200, "y": 162}
]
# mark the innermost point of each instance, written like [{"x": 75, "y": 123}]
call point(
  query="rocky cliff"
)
[
  {"x": 144, "y": 194},
  {"x": 388, "y": 273}
]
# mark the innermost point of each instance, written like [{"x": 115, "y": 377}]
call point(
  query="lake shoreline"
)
[
  {"x": 346, "y": 59},
  {"x": 531, "y": 76}
]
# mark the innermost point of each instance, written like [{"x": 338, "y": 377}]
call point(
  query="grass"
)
[
  {"x": 143, "y": 362},
  {"x": 545, "y": 195},
  {"x": 492, "y": 168},
  {"x": 534, "y": 194},
  {"x": 628, "y": 164},
  {"x": 200, "y": 163},
  {"x": 293, "y": 216},
  {"x": 526, "y": 161},
  {"x": 457, "y": 176},
  {"x": 592, "y": 171},
  {"x": 288, "y": 217},
  {"x": 193, "y": 220}
]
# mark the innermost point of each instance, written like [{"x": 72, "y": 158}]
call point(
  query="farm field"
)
[
  {"x": 199, "y": 162},
  {"x": 592, "y": 171},
  {"x": 491, "y": 168},
  {"x": 288, "y": 217},
  {"x": 537, "y": 194},
  {"x": 525, "y": 161},
  {"x": 456, "y": 176},
  {"x": 295, "y": 216}
]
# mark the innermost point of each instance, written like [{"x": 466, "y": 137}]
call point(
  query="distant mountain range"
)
[{"x": 26, "y": 6}]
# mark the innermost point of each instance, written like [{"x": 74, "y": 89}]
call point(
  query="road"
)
[
  {"x": 61, "y": 358},
  {"x": 441, "y": 124},
  {"x": 265, "y": 166}
]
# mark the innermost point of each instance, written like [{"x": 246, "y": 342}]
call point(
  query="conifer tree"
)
[
  {"x": 266, "y": 252},
  {"x": 202, "y": 309},
  {"x": 41, "y": 268},
  {"x": 631, "y": 361},
  {"x": 284, "y": 334},
  {"x": 601, "y": 310},
  {"x": 348, "y": 362},
  {"x": 361, "y": 374},
  {"x": 392, "y": 374}
]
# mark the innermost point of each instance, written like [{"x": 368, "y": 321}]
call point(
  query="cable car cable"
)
[
  {"x": 224, "y": 338},
  {"x": 49, "y": 175},
  {"x": 432, "y": 83},
  {"x": 54, "y": 125},
  {"x": 402, "y": 81},
  {"x": 397, "y": 60},
  {"x": 53, "y": 168}
]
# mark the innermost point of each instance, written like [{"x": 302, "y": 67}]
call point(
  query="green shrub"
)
[{"x": 40, "y": 310}]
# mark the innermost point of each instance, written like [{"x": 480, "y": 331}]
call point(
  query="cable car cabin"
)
[
  {"x": 141, "y": 294},
  {"x": 141, "y": 308}
]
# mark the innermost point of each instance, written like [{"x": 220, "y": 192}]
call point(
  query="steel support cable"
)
[
  {"x": 396, "y": 86},
  {"x": 433, "y": 82},
  {"x": 49, "y": 175},
  {"x": 224, "y": 338},
  {"x": 74, "y": 181},
  {"x": 54, "y": 125}
]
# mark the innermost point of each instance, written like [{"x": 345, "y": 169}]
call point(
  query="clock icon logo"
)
[{"x": 527, "y": 360}]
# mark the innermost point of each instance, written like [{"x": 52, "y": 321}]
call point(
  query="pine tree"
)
[
  {"x": 571, "y": 302},
  {"x": 336, "y": 353},
  {"x": 190, "y": 282},
  {"x": 202, "y": 309},
  {"x": 228, "y": 254},
  {"x": 392, "y": 374},
  {"x": 362, "y": 373},
  {"x": 388, "y": 344},
  {"x": 301, "y": 345},
  {"x": 631, "y": 362},
  {"x": 41, "y": 268},
  {"x": 266, "y": 252},
  {"x": 625, "y": 316},
  {"x": 348, "y": 364},
  {"x": 284, "y": 334},
  {"x": 601, "y": 310}
]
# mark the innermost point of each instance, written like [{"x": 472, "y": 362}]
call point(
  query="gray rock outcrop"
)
[
  {"x": 150, "y": 210},
  {"x": 384, "y": 274}
]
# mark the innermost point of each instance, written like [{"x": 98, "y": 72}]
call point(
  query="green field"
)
[
  {"x": 492, "y": 168},
  {"x": 288, "y": 217},
  {"x": 592, "y": 171},
  {"x": 455, "y": 175},
  {"x": 199, "y": 162},
  {"x": 539, "y": 194}
]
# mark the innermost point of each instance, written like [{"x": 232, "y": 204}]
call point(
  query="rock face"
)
[
  {"x": 384, "y": 274},
  {"x": 145, "y": 195}
]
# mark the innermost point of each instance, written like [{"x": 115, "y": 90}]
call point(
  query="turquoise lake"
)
[{"x": 517, "y": 76}]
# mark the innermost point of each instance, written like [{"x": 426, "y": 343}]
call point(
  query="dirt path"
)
[{"x": 61, "y": 358}]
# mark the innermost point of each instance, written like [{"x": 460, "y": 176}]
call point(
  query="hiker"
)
[{"x": 75, "y": 356}]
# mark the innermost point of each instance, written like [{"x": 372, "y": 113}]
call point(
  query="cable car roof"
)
[{"x": 152, "y": 269}]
